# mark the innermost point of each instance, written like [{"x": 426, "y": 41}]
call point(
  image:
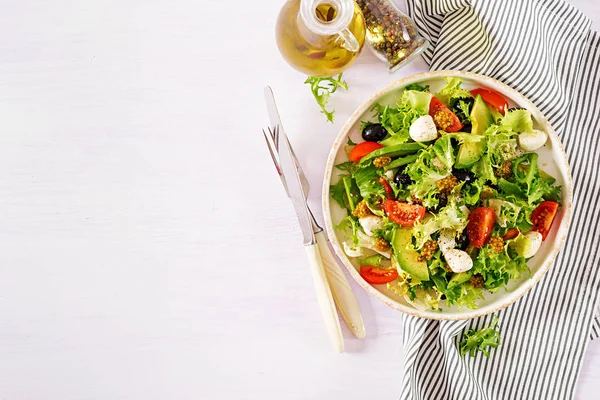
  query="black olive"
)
[
  {"x": 462, "y": 240},
  {"x": 490, "y": 184},
  {"x": 442, "y": 202},
  {"x": 466, "y": 127},
  {"x": 463, "y": 175},
  {"x": 401, "y": 178},
  {"x": 374, "y": 133}
]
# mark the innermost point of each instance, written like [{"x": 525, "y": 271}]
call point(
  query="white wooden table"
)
[{"x": 148, "y": 250}]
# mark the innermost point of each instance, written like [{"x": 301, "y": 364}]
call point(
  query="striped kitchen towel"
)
[{"x": 546, "y": 50}]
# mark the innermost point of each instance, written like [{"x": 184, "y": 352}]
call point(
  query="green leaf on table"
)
[
  {"x": 322, "y": 88},
  {"x": 480, "y": 340}
]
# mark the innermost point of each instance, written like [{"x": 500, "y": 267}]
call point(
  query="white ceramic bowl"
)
[{"x": 552, "y": 159}]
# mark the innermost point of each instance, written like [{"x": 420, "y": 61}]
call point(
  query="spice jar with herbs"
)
[{"x": 391, "y": 33}]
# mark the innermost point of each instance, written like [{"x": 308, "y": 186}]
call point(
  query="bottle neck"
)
[{"x": 343, "y": 17}]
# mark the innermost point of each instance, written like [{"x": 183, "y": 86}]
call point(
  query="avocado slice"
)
[
  {"x": 481, "y": 119},
  {"x": 469, "y": 153},
  {"x": 408, "y": 259},
  {"x": 460, "y": 278}
]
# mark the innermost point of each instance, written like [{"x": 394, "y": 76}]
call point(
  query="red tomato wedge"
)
[
  {"x": 443, "y": 117},
  {"x": 480, "y": 225},
  {"x": 377, "y": 276},
  {"x": 386, "y": 187},
  {"x": 493, "y": 98},
  {"x": 403, "y": 213},
  {"x": 362, "y": 149},
  {"x": 542, "y": 217},
  {"x": 511, "y": 233}
]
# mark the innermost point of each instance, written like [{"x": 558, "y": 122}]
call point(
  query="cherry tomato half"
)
[
  {"x": 493, "y": 98},
  {"x": 362, "y": 149},
  {"x": 377, "y": 276},
  {"x": 480, "y": 225},
  {"x": 542, "y": 217},
  {"x": 443, "y": 117},
  {"x": 386, "y": 187},
  {"x": 403, "y": 213},
  {"x": 511, "y": 233}
]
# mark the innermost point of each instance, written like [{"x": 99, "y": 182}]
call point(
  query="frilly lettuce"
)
[
  {"x": 397, "y": 120},
  {"x": 498, "y": 269},
  {"x": 483, "y": 169},
  {"x": 452, "y": 90},
  {"x": 432, "y": 164},
  {"x": 449, "y": 217}
]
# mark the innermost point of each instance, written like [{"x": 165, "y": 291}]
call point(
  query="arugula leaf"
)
[
  {"x": 350, "y": 223},
  {"x": 323, "y": 88},
  {"x": 417, "y": 87},
  {"x": 481, "y": 340},
  {"x": 345, "y": 192},
  {"x": 366, "y": 180},
  {"x": 338, "y": 193},
  {"x": 346, "y": 166},
  {"x": 350, "y": 142}
]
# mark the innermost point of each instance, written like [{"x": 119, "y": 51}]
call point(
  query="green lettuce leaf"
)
[
  {"x": 451, "y": 91},
  {"x": 433, "y": 163},
  {"x": 498, "y": 269},
  {"x": 517, "y": 121},
  {"x": 350, "y": 225},
  {"x": 480, "y": 340},
  {"x": 417, "y": 87},
  {"x": 397, "y": 120},
  {"x": 449, "y": 217}
]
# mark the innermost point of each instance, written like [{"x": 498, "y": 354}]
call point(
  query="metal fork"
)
[{"x": 340, "y": 288}]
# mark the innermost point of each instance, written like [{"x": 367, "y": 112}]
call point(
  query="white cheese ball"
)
[
  {"x": 423, "y": 129},
  {"x": 370, "y": 223},
  {"x": 458, "y": 260},
  {"x": 531, "y": 141},
  {"x": 535, "y": 241}
]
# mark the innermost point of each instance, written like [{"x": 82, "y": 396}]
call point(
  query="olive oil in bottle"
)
[{"x": 320, "y": 37}]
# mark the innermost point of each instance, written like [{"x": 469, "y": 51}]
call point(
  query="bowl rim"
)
[{"x": 561, "y": 234}]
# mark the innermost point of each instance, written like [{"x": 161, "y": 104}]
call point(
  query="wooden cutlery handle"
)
[
  {"x": 342, "y": 292},
  {"x": 325, "y": 298}
]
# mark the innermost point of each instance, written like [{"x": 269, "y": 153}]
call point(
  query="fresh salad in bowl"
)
[{"x": 445, "y": 198}]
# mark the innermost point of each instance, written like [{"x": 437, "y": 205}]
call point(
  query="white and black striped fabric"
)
[{"x": 546, "y": 50}]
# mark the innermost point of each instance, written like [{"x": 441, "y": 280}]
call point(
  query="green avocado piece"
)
[
  {"x": 459, "y": 278},
  {"x": 469, "y": 153},
  {"x": 481, "y": 117},
  {"x": 408, "y": 259},
  {"x": 495, "y": 114}
]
